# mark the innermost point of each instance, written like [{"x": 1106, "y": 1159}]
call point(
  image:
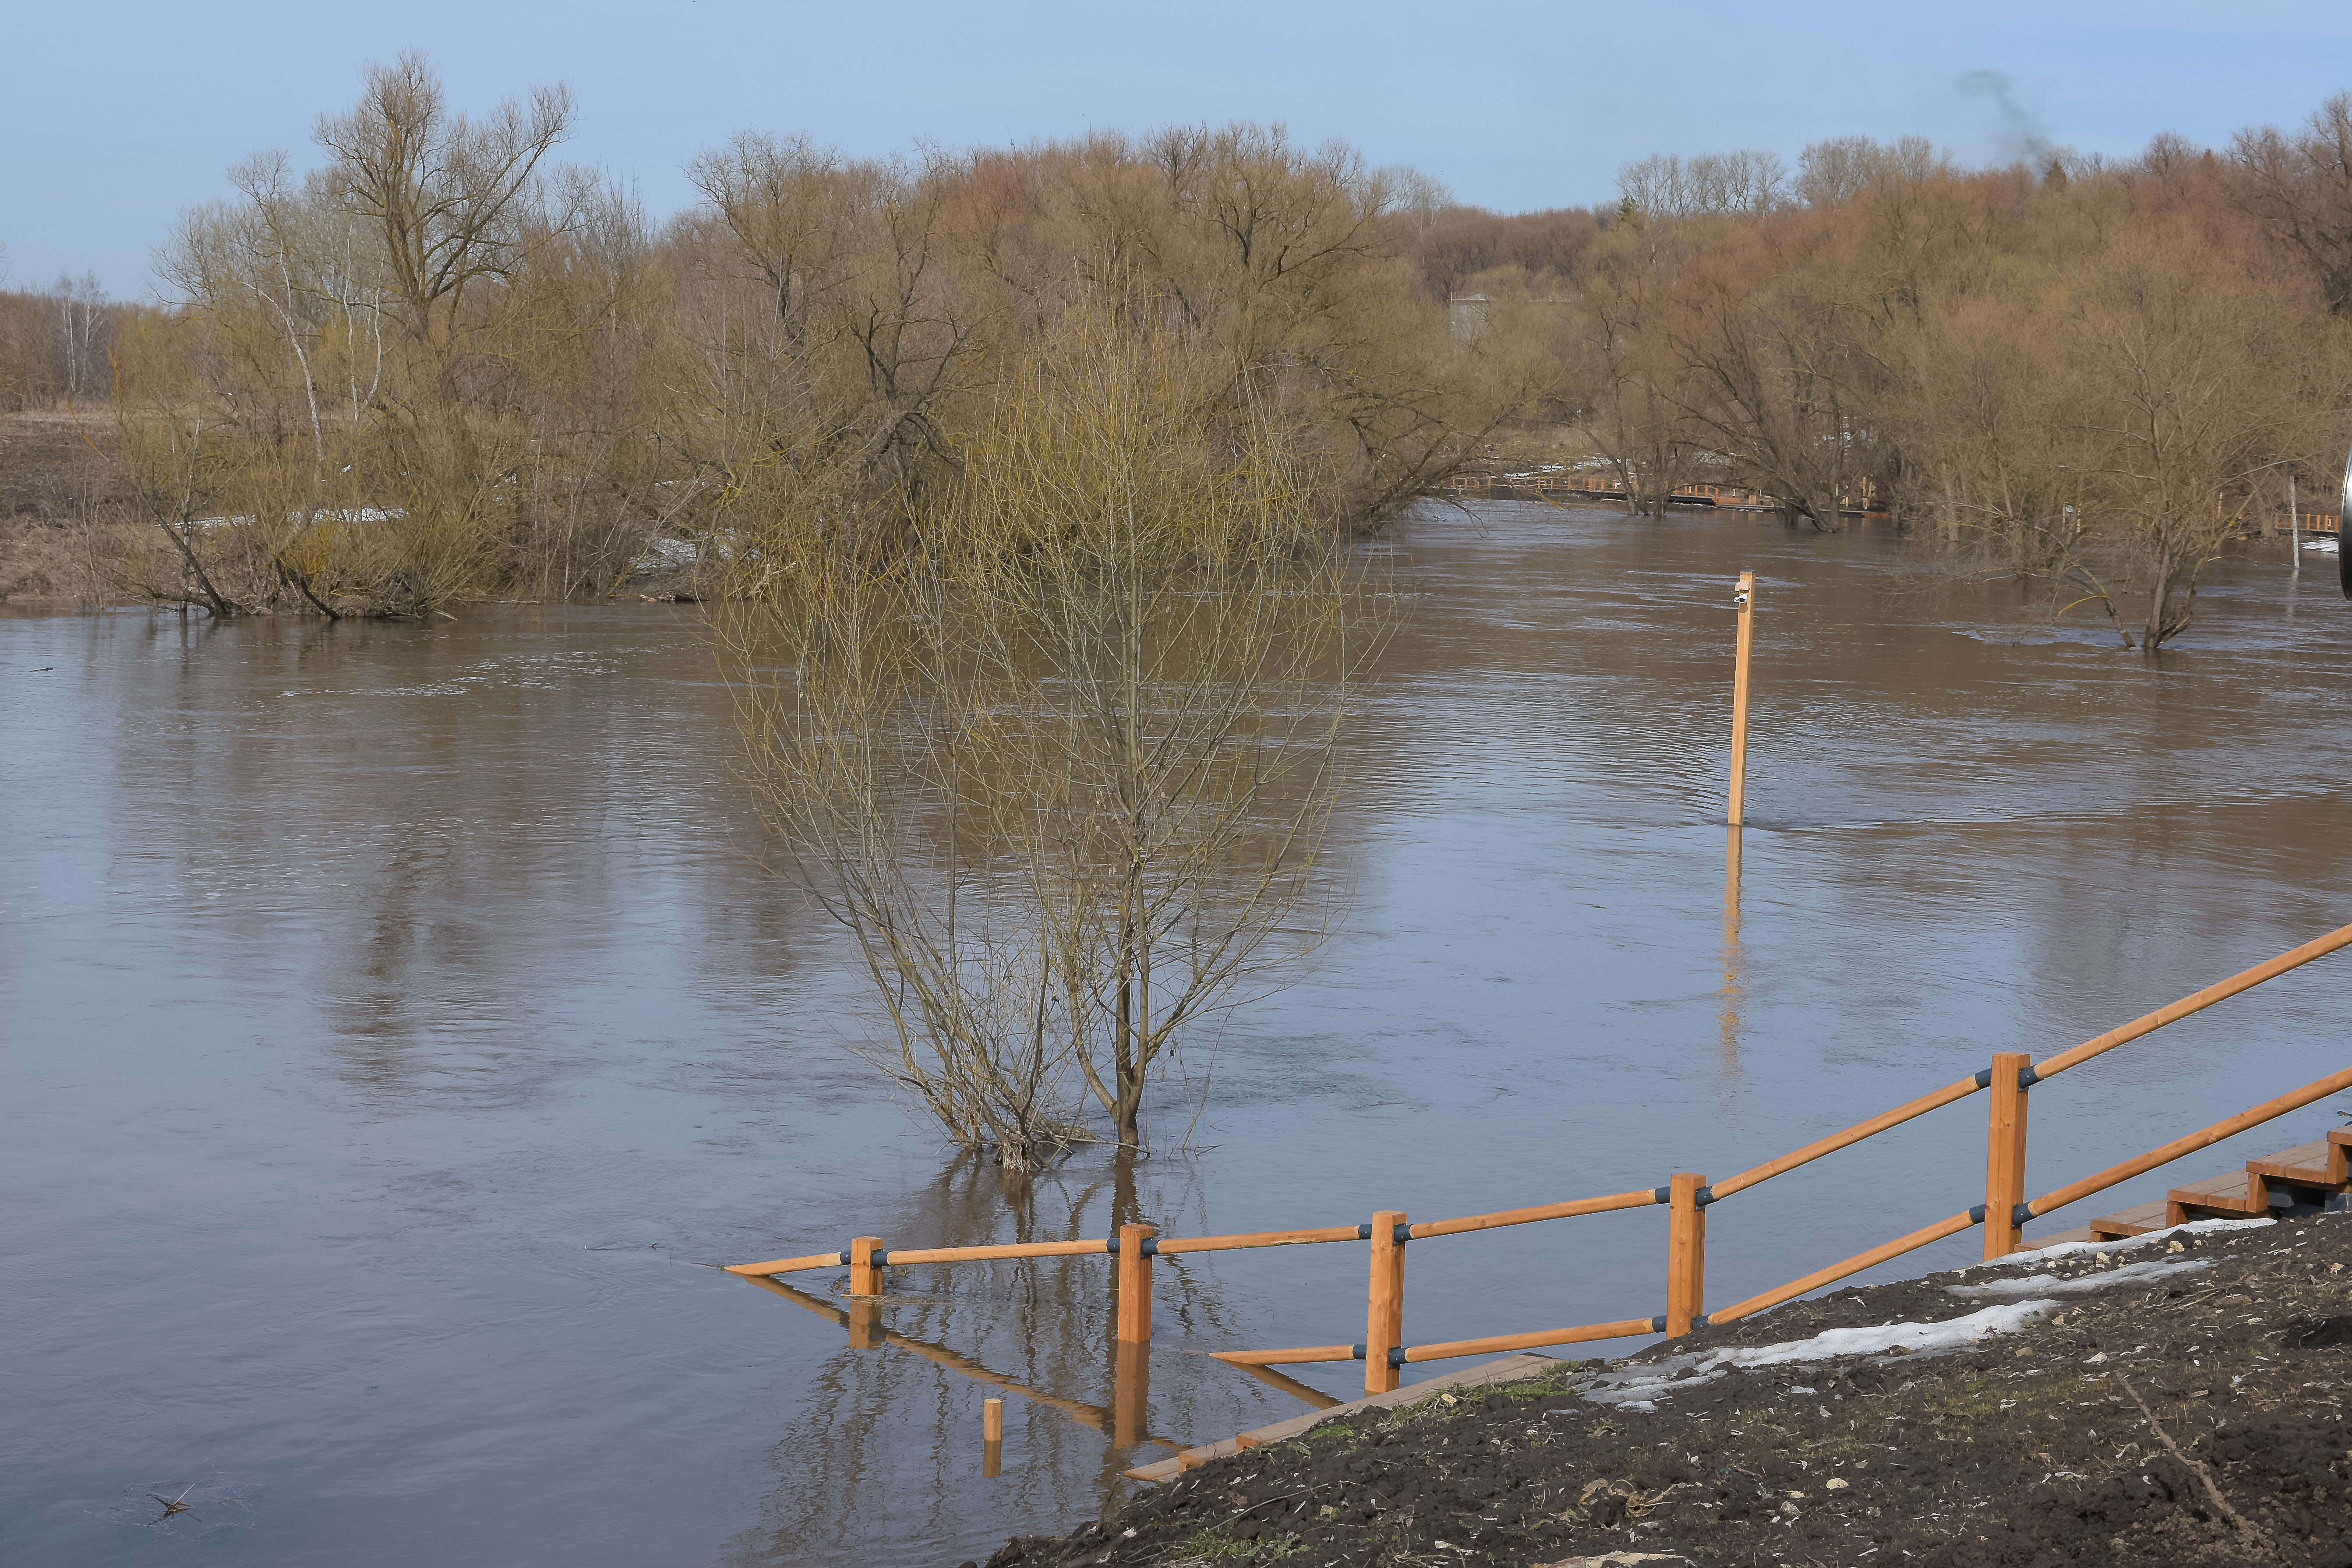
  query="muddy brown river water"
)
[{"x": 395, "y": 1020}]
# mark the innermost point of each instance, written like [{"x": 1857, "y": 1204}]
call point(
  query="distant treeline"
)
[
  {"x": 2091, "y": 372},
  {"x": 57, "y": 344},
  {"x": 440, "y": 365}
]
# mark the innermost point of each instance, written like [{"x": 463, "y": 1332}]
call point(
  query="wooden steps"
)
[
  {"x": 2302, "y": 1177},
  {"x": 2305, "y": 1175}
]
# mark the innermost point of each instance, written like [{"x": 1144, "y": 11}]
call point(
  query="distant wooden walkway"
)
[{"x": 1712, "y": 498}]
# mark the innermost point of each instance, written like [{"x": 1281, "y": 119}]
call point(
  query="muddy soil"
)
[{"x": 2180, "y": 1402}]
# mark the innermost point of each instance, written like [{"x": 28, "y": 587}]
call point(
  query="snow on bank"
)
[
  {"x": 1635, "y": 1387},
  {"x": 2051, "y": 1285},
  {"x": 2077, "y": 1249}
]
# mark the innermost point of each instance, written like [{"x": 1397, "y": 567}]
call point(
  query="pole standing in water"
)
[{"x": 1747, "y": 603}]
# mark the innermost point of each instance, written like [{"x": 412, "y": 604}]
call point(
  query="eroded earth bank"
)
[{"x": 2176, "y": 1399}]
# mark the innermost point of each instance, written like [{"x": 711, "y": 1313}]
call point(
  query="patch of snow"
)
[
  {"x": 2078, "y": 1248},
  {"x": 2051, "y": 1285},
  {"x": 2325, "y": 546},
  {"x": 1637, "y": 1387}
]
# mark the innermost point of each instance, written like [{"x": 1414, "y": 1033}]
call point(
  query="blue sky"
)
[{"x": 113, "y": 117}]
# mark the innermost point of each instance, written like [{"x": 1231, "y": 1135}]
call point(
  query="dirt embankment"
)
[{"x": 2180, "y": 1401}]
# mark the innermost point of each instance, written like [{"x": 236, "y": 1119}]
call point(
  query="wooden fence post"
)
[
  {"x": 1747, "y": 602},
  {"x": 1134, "y": 1285},
  {"x": 1686, "y": 1256},
  {"x": 865, "y": 1274},
  {"x": 2005, "y": 1154},
  {"x": 1384, "y": 1303},
  {"x": 992, "y": 1436}
]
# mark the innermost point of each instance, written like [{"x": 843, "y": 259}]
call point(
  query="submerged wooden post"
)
[
  {"x": 865, "y": 1274},
  {"x": 1747, "y": 603},
  {"x": 1135, "y": 1284},
  {"x": 992, "y": 1436},
  {"x": 2005, "y": 1154},
  {"x": 1384, "y": 1303},
  {"x": 1130, "y": 1393},
  {"x": 1686, "y": 1256},
  {"x": 866, "y": 1324}
]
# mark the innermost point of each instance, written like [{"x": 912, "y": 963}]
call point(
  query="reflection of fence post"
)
[
  {"x": 1747, "y": 603},
  {"x": 1130, "y": 1395},
  {"x": 1135, "y": 1284},
  {"x": 992, "y": 1436},
  {"x": 1685, "y": 1254},
  {"x": 864, "y": 1324},
  {"x": 2005, "y": 1154},
  {"x": 865, "y": 1274},
  {"x": 1384, "y": 1302}
]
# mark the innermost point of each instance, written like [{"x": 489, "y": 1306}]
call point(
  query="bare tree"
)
[
  {"x": 455, "y": 202},
  {"x": 1063, "y": 774},
  {"x": 1745, "y": 183},
  {"x": 2193, "y": 391},
  {"x": 1842, "y": 168},
  {"x": 2299, "y": 188}
]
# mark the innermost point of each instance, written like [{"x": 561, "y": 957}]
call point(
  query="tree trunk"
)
[
  {"x": 219, "y": 605},
  {"x": 2159, "y": 597}
]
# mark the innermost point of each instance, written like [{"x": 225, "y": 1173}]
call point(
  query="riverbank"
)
[{"x": 2179, "y": 1398}]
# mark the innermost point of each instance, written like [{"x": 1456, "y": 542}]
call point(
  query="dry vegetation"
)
[
  {"x": 2093, "y": 373},
  {"x": 441, "y": 365}
]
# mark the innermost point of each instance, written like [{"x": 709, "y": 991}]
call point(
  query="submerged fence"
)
[{"x": 1687, "y": 1198}]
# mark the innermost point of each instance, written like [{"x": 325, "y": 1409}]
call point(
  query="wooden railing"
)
[
  {"x": 1687, "y": 1197},
  {"x": 2307, "y": 522}
]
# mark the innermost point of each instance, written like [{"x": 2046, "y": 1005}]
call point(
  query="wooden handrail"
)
[
  {"x": 1949, "y": 1094},
  {"x": 1691, "y": 1196},
  {"x": 1854, "y": 1265},
  {"x": 897, "y": 1256},
  {"x": 832, "y": 1259},
  {"x": 1530, "y": 1216},
  {"x": 1530, "y": 1341},
  {"x": 1287, "y": 1358},
  {"x": 2292, "y": 1100},
  {"x": 1259, "y": 1238},
  {"x": 2295, "y": 1099},
  {"x": 2221, "y": 991}
]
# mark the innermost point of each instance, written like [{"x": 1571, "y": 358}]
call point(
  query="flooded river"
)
[{"x": 397, "y": 1021}]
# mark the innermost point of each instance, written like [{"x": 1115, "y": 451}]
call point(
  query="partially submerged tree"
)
[
  {"x": 2195, "y": 384},
  {"x": 1063, "y": 771}
]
